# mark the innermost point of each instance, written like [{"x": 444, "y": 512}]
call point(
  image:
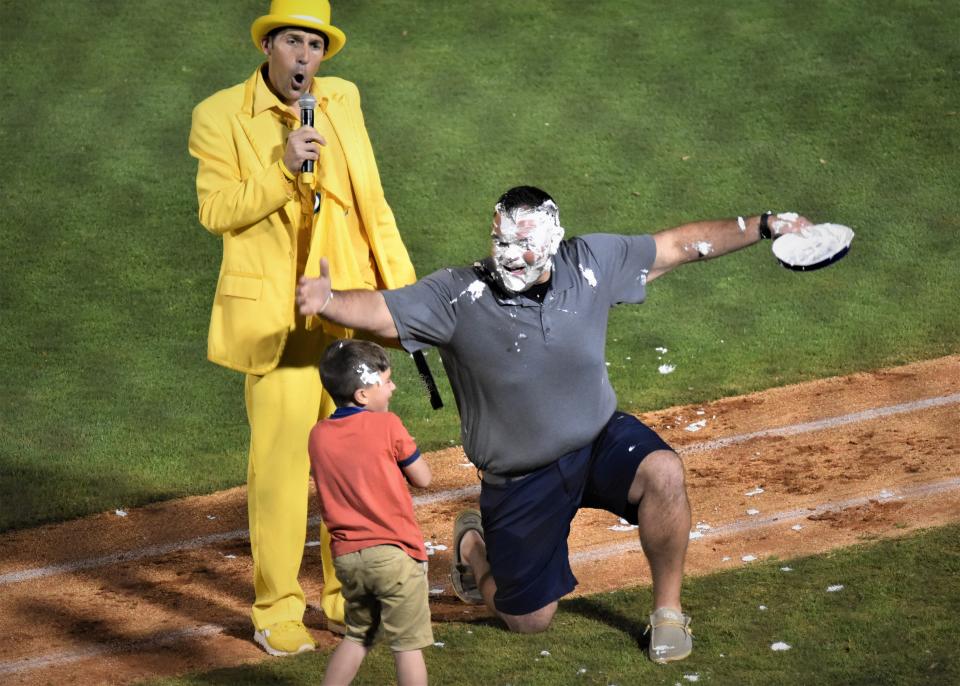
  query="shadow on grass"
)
[
  {"x": 591, "y": 608},
  {"x": 239, "y": 676}
]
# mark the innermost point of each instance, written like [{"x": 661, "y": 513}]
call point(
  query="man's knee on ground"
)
[
  {"x": 532, "y": 623},
  {"x": 661, "y": 472}
]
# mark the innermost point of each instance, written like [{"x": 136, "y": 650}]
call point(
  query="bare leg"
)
[
  {"x": 664, "y": 518},
  {"x": 411, "y": 669},
  {"x": 344, "y": 663},
  {"x": 473, "y": 551}
]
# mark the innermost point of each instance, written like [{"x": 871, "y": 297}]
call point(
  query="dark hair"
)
[
  {"x": 344, "y": 364},
  {"x": 523, "y": 196},
  {"x": 326, "y": 39}
]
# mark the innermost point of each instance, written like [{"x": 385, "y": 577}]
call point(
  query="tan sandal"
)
[
  {"x": 461, "y": 575},
  {"x": 670, "y": 636}
]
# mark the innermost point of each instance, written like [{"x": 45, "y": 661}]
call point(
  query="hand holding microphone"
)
[{"x": 302, "y": 152}]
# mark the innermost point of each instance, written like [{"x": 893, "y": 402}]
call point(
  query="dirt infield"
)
[{"x": 165, "y": 589}]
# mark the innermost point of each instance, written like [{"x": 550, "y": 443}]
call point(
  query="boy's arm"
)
[{"x": 418, "y": 473}]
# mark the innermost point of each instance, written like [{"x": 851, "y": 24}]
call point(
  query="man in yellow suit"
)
[{"x": 275, "y": 223}]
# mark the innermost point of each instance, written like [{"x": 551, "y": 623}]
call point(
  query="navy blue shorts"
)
[{"x": 526, "y": 521}]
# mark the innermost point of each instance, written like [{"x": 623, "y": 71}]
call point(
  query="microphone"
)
[{"x": 307, "y": 104}]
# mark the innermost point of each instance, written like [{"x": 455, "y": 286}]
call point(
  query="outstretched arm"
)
[
  {"x": 708, "y": 239},
  {"x": 355, "y": 309}
]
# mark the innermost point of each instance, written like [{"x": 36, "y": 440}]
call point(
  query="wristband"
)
[
  {"x": 329, "y": 299},
  {"x": 765, "y": 225}
]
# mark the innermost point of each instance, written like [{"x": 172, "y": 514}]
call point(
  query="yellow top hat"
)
[{"x": 309, "y": 14}]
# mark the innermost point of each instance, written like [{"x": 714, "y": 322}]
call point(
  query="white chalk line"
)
[
  {"x": 822, "y": 424},
  {"x": 442, "y": 496},
  {"x": 68, "y": 656},
  {"x": 593, "y": 555},
  {"x": 121, "y": 557},
  {"x": 469, "y": 491},
  {"x": 191, "y": 544},
  {"x": 753, "y": 523}
]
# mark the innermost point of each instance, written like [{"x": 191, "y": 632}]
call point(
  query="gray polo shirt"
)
[{"x": 529, "y": 379}]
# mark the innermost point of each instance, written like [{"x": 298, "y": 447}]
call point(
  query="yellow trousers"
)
[{"x": 282, "y": 407}]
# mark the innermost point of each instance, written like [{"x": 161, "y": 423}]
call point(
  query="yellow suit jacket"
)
[{"x": 245, "y": 198}]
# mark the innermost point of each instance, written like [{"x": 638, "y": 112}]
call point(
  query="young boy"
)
[{"x": 360, "y": 456}]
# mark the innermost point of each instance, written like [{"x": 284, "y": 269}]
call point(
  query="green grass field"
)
[{"x": 636, "y": 116}]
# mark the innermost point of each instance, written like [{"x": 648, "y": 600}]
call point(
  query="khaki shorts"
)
[{"x": 387, "y": 597}]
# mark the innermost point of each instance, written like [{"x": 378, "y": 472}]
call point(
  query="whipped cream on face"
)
[{"x": 525, "y": 230}]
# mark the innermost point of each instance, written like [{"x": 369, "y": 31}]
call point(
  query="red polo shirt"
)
[{"x": 356, "y": 456}]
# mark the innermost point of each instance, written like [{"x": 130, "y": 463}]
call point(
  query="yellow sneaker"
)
[{"x": 285, "y": 638}]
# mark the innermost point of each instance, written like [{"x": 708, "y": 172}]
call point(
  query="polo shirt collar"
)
[
  {"x": 342, "y": 412},
  {"x": 562, "y": 277},
  {"x": 265, "y": 99}
]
